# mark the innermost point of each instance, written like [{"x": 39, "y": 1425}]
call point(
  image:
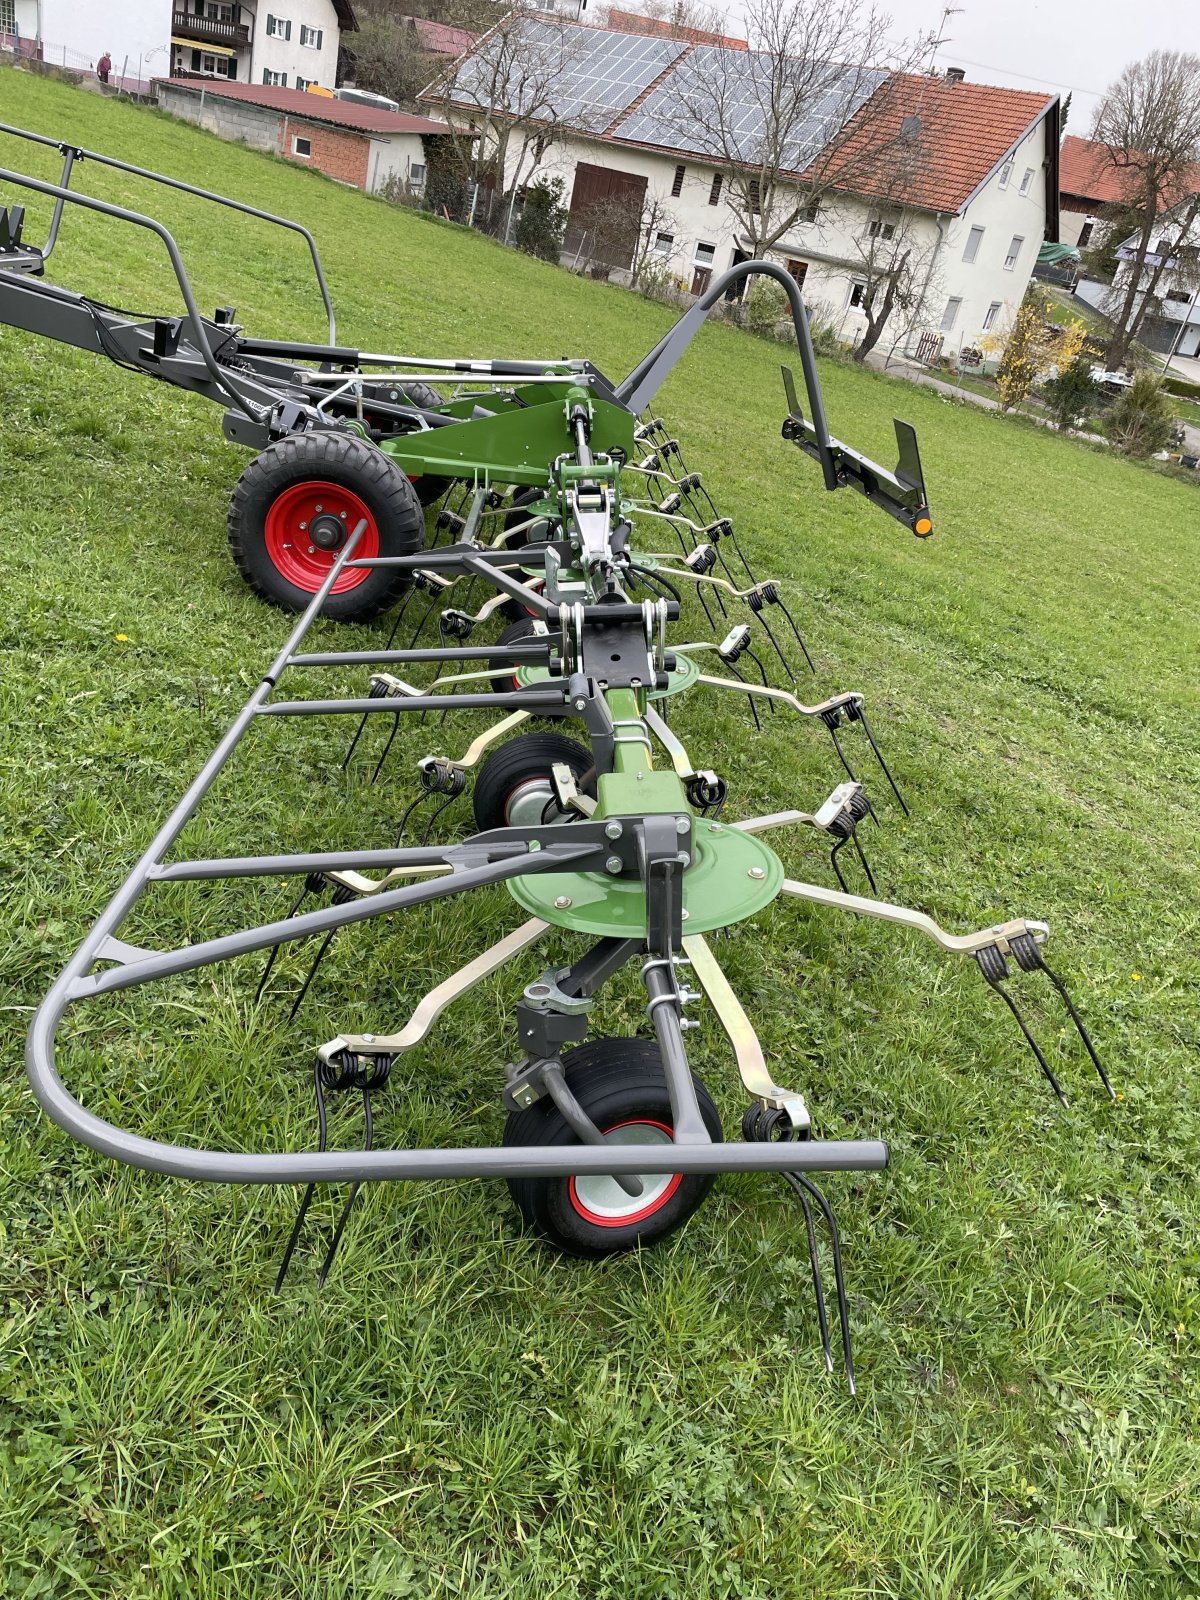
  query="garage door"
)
[{"x": 606, "y": 211}]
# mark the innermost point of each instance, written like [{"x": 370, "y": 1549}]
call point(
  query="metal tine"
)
[
  {"x": 762, "y": 672},
  {"x": 424, "y": 619},
  {"x": 448, "y": 801},
  {"x": 787, "y": 666},
  {"x": 792, "y": 624},
  {"x": 995, "y": 969},
  {"x": 271, "y": 959},
  {"x": 424, "y": 794},
  {"x": 866, "y": 866},
  {"x": 802, "y": 1184},
  {"x": 836, "y": 864},
  {"x": 749, "y": 698},
  {"x": 850, "y": 773},
  {"x": 310, "y": 1189},
  {"x": 350, "y": 1198},
  {"x": 861, "y": 715},
  {"x": 818, "y": 1283},
  {"x": 390, "y": 740},
  {"x": 312, "y": 972},
  {"x": 1028, "y": 954}
]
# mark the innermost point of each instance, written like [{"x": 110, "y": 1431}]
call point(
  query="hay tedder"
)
[{"x": 542, "y": 497}]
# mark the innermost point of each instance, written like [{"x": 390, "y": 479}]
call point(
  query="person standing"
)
[{"x": 104, "y": 67}]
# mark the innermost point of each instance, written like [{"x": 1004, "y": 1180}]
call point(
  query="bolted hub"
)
[{"x": 327, "y": 532}]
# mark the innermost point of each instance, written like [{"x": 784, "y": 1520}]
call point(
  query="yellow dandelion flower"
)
[{"x": 122, "y": 638}]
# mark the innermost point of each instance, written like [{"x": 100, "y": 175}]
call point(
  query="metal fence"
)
[{"x": 126, "y": 77}]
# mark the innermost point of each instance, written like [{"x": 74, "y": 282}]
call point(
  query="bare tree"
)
[
  {"x": 1149, "y": 123},
  {"x": 779, "y": 119},
  {"x": 620, "y": 230},
  {"x": 894, "y": 262},
  {"x": 502, "y": 102}
]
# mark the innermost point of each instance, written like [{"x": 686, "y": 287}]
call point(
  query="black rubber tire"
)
[
  {"x": 616, "y": 1081},
  {"x": 337, "y": 458},
  {"x": 515, "y": 633},
  {"x": 524, "y": 759}
]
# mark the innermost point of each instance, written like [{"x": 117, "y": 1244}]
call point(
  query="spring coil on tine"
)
[
  {"x": 444, "y": 777},
  {"x": 346, "y": 1070}
]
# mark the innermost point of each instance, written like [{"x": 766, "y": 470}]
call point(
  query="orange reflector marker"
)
[{"x": 923, "y": 527}]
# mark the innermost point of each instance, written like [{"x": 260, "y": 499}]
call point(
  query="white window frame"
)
[
  {"x": 1014, "y": 252},
  {"x": 274, "y": 80},
  {"x": 1006, "y": 172},
  {"x": 709, "y": 261},
  {"x": 303, "y": 83},
  {"x": 950, "y": 315},
  {"x": 311, "y": 38},
  {"x": 857, "y": 286},
  {"x": 974, "y": 239},
  {"x": 664, "y": 244},
  {"x": 279, "y": 28},
  {"x": 993, "y": 311},
  {"x": 1026, "y": 180},
  {"x": 880, "y": 227},
  {"x": 8, "y": 16},
  {"x": 297, "y": 140}
]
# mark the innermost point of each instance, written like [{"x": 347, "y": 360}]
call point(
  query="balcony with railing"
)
[{"x": 209, "y": 30}]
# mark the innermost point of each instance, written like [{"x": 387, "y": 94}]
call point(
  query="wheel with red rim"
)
[
  {"x": 296, "y": 505},
  {"x": 621, "y": 1085},
  {"x": 515, "y": 787}
]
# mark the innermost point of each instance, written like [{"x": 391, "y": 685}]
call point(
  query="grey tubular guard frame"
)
[{"x": 485, "y": 859}]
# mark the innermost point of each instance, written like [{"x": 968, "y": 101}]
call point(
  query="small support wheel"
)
[
  {"x": 515, "y": 789},
  {"x": 295, "y": 506},
  {"x": 516, "y": 633},
  {"x": 621, "y": 1085}
]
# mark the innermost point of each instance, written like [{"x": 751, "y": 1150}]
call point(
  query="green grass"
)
[{"x": 457, "y": 1413}]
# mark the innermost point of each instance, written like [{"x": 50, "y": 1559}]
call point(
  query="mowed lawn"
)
[{"x": 458, "y": 1413}]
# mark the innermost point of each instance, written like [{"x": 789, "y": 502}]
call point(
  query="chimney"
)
[{"x": 955, "y": 74}]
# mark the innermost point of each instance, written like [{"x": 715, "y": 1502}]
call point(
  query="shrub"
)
[
  {"x": 1142, "y": 419},
  {"x": 1072, "y": 393},
  {"x": 766, "y": 305},
  {"x": 543, "y": 220},
  {"x": 1181, "y": 387}
]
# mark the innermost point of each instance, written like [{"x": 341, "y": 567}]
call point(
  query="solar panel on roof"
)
[
  {"x": 673, "y": 114},
  {"x": 581, "y": 76}
]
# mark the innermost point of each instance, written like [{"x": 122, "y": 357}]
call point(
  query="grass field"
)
[{"x": 457, "y": 1414}]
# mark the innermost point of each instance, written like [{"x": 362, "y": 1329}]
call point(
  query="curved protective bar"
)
[
  {"x": 74, "y": 153},
  {"x": 90, "y": 203},
  {"x": 643, "y": 383}
]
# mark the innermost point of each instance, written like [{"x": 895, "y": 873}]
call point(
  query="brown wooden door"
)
[{"x": 606, "y": 215}]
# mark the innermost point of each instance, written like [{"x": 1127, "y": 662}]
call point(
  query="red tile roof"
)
[
  {"x": 313, "y": 107},
  {"x": 966, "y": 130},
  {"x": 440, "y": 38},
  {"x": 1088, "y": 173},
  {"x": 633, "y": 22}
]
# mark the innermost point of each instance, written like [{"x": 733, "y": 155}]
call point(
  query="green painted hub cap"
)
[
  {"x": 684, "y": 676},
  {"x": 732, "y": 876}
]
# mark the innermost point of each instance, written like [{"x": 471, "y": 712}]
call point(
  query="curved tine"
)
[
  {"x": 358, "y": 732},
  {"x": 749, "y": 697},
  {"x": 704, "y": 603},
  {"x": 836, "y": 864},
  {"x": 1076, "y": 1019},
  {"x": 862, "y": 717},
  {"x": 787, "y": 666},
  {"x": 310, "y": 1189},
  {"x": 262, "y": 982},
  {"x": 350, "y": 1198},
  {"x": 850, "y": 773},
  {"x": 423, "y": 794},
  {"x": 994, "y": 983},
  {"x": 425, "y": 615},
  {"x": 448, "y": 801},
  {"x": 762, "y": 672},
  {"x": 866, "y": 865},
  {"x": 815, "y": 1264},
  {"x": 839, "y": 1280},
  {"x": 312, "y": 972},
  {"x": 390, "y": 740},
  {"x": 796, "y": 631}
]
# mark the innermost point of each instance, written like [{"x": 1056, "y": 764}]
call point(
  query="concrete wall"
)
[
  {"x": 341, "y": 154},
  {"x": 832, "y": 246}
]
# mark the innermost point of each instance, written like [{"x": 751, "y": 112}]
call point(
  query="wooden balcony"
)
[{"x": 204, "y": 30}]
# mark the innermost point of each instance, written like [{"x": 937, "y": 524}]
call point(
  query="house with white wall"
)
[
  {"x": 292, "y": 43},
  {"x": 1171, "y": 268},
  {"x": 977, "y": 204}
]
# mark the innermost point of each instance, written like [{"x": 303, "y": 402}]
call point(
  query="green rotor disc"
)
[{"x": 732, "y": 875}]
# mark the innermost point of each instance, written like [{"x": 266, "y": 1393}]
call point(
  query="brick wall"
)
[{"x": 340, "y": 154}]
